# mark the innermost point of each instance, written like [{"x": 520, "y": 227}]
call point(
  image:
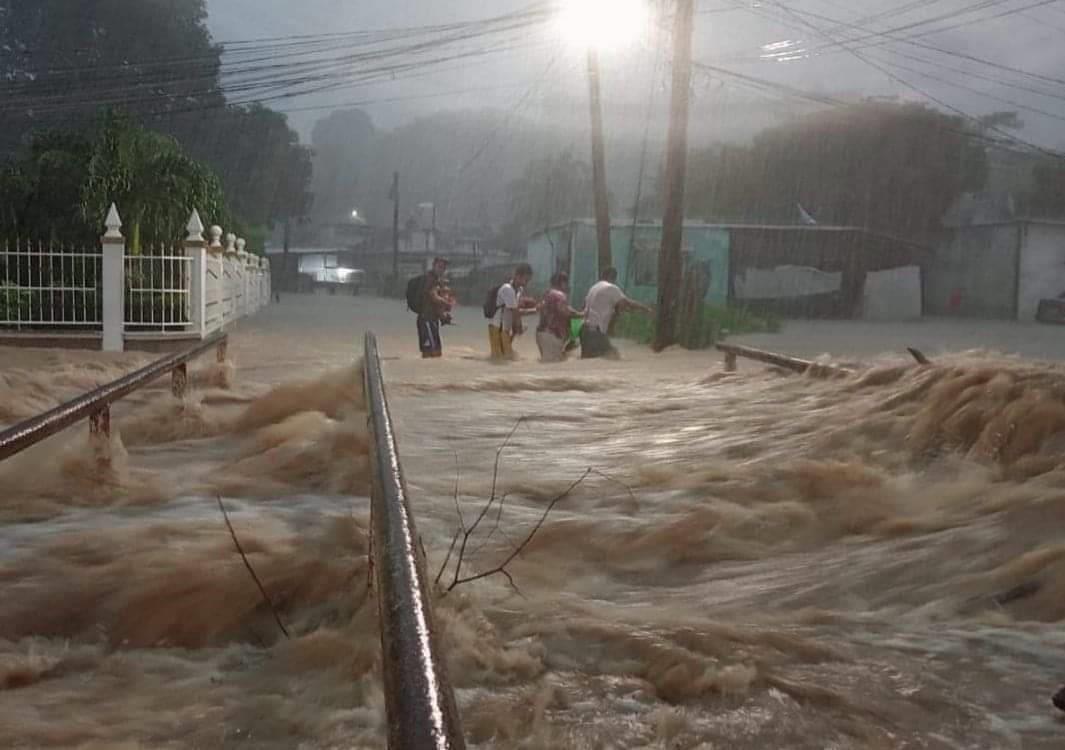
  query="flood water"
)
[{"x": 755, "y": 560}]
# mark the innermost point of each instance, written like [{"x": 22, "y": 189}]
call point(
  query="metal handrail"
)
[
  {"x": 419, "y": 701},
  {"x": 731, "y": 351},
  {"x": 95, "y": 405}
]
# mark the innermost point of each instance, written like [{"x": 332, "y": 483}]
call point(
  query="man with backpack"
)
[
  {"x": 425, "y": 298},
  {"x": 504, "y": 309}
]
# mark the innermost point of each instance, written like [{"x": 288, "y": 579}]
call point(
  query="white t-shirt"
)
[
  {"x": 507, "y": 304},
  {"x": 600, "y": 304}
]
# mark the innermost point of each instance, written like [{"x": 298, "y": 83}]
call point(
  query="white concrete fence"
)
[{"x": 186, "y": 290}]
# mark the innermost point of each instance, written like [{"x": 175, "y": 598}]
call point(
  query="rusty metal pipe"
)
[
  {"x": 96, "y": 402},
  {"x": 419, "y": 702},
  {"x": 731, "y": 351}
]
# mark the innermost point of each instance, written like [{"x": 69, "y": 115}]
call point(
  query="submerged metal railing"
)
[
  {"x": 96, "y": 405},
  {"x": 419, "y": 702},
  {"x": 732, "y": 351}
]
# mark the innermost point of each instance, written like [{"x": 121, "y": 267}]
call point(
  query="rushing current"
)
[{"x": 743, "y": 560}]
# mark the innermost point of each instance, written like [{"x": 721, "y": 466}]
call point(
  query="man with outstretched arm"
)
[{"x": 603, "y": 302}]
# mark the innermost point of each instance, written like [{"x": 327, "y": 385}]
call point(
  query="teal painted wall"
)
[{"x": 639, "y": 280}]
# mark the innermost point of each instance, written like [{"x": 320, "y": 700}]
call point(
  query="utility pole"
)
[
  {"x": 286, "y": 274},
  {"x": 602, "y": 208},
  {"x": 394, "y": 195},
  {"x": 669, "y": 260}
]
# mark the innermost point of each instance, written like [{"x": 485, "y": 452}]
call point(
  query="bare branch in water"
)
[
  {"x": 464, "y": 532},
  {"x": 447, "y": 558},
  {"x": 262, "y": 590},
  {"x": 502, "y": 567},
  {"x": 467, "y": 532},
  {"x": 458, "y": 507},
  {"x": 618, "y": 482}
]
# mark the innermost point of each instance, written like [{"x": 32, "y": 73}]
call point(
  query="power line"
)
[
  {"x": 890, "y": 37},
  {"x": 898, "y": 79},
  {"x": 119, "y": 90}
]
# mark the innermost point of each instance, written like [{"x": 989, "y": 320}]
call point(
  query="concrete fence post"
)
[
  {"x": 113, "y": 283},
  {"x": 196, "y": 249},
  {"x": 236, "y": 288},
  {"x": 218, "y": 292},
  {"x": 245, "y": 270}
]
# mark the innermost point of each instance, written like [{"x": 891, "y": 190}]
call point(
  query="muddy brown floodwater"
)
[{"x": 756, "y": 561}]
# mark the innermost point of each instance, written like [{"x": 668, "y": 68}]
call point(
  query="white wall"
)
[
  {"x": 1042, "y": 267},
  {"x": 785, "y": 282},
  {"x": 893, "y": 294}
]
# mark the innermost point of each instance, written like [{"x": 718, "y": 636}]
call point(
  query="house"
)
[
  {"x": 991, "y": 267},
  {"x": 800, "y": 270}
]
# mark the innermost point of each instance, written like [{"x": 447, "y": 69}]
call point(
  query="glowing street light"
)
[{"x": 603, "y": 25}]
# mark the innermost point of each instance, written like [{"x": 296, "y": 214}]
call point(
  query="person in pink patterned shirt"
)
[{"x": 555, "y": 316}]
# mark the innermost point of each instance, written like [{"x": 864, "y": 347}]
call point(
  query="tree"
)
[
  {"x": 1046, "y": 200},
  {"x": 62, "y": 187},
  {"x": 341, "y": 144},
  {"x": 61, "y": 62},
  {"x": 551, "y": 189},
  {"x": 885, "y": 166},
  {"x": 156, "y": 184},
  {"x": 265, "y": 170}
]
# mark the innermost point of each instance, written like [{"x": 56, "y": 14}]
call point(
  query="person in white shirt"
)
[
  {"x": 506, "y": 320},
  {"x": 603, "y": 302}
]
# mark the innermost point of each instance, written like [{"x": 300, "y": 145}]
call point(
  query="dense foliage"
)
[
  {"x": 62, "y": 63},
  {"x": 885, "y": 166},
  {"x": 60, "y": 189}
]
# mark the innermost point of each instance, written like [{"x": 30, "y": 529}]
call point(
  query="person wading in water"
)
[
  {"x": 425, "y": 296},
  {"x": 504, "y": 308},
  {"x": 603, "y": 302},
  {"x": 555, "y": 315}
]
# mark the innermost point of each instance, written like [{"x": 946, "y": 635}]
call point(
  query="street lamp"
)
[{"x": 601, "y": 25}]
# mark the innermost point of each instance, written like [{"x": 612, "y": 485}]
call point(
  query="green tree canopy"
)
[
  {"x": 552, "y": 189},
  {"x": 341, "y": 143},
  {"x": 62, "y": 187},
  {"x": 890, "y": 167},
  {"x": 62, "y": 62}
]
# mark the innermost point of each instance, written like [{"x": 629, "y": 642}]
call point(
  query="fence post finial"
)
[
  {"x": 216, "y": 236},
  {"x": 195, "y": 227},
  {"x": 231, "y": 240},
  {"x": 241, "y": 243},
  {"x": 113, "y": 224}
]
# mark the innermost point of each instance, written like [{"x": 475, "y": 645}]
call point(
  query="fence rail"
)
[
  {"x": 795, "y": 364},
  {"x": 193, "y": 288},
  {"x": 96, "y": 405},
  {"x": 51, "y": 286},
  {"x": 418, "y": 697},
  {"x": 158, "y": 290}
]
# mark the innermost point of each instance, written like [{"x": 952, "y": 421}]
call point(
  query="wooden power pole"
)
[
  {"x": 669, "y": 256},
  {"x": 602, "y": 207},
  {"x": 394, "y": 195}
]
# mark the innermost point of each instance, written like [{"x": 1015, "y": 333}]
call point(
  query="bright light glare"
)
[{"x": 603, "y": 24}]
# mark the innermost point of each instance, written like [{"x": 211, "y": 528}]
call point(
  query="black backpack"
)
[
  {"x": 491, "y": 302},
  {"x": 416, "y": 294}
]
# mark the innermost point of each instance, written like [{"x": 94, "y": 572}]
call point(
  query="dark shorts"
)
[
  {"x": 595, "y": 343},
  {"x": 429, "y": 337}
]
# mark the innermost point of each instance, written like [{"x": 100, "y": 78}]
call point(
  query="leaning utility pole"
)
[
  {"x": 602, "y": 207},
  {"x": 394, "y": 195},
  {"x": 669, "y": 260}
]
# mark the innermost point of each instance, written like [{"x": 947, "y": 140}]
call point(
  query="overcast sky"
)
[{"x": 731, "y": 33}]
